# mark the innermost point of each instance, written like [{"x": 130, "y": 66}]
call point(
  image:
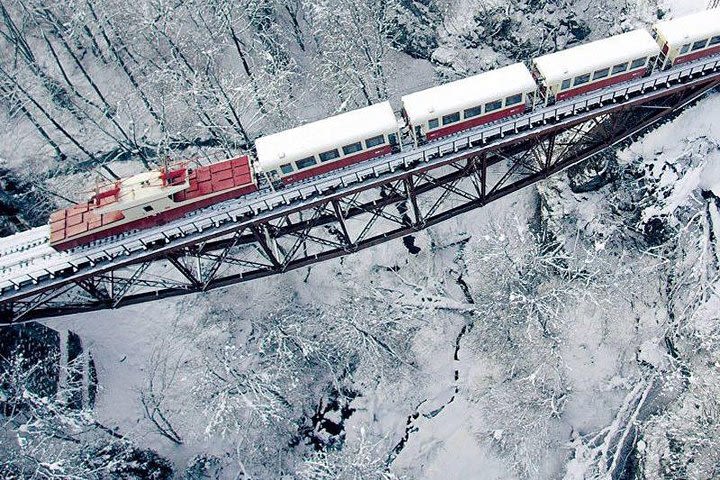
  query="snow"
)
[
  {"x": 599, "y": 339},
  {"x": 327, "y": 134},
  {"x": 652, "y": 354},
  {"x": 461, "y": 441},
  {"x": 122, "y": 344},
  {"x": 22, "y": 241},
  {"x": 690, "y": 28},
  {"x": 587, "y": 58},
  {"x": 469, "y": 92},
  {"x": 446, "y": 443},
  {"x": 683, "y": 7},
  {"x": 710, "y": 177},
  {"x": 696, "y": 127}
]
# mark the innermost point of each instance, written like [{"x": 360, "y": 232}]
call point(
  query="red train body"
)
[
  {"x": 475, "y": 122},
  {"x": 150, "y": 199}
]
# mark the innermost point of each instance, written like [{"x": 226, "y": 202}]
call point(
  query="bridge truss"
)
[{"x": 407, "y": 194}]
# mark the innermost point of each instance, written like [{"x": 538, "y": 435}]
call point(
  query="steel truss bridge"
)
[{"x": 345, "y": 211}]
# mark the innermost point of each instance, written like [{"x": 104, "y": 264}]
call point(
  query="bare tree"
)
[
  {"x": 161, "y": 374},
  {"x": 44, "y": 435},
  {"x": 361, "y": 460},
  {"x": 354, "y": 40}
]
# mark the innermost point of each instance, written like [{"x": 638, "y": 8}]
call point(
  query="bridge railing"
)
[{"x": 260, "y": 203}]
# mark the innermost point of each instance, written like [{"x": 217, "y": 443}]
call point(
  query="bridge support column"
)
[
  {"x": 262, "y": 236},
  {"x": 412, "y": 195},
  {"x": 341, "y": 221},
  {"x": 6, "y": 313}
]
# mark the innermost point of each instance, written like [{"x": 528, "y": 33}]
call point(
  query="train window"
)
[
  {"x": 433, "y": 123},
  {"x": 699, "y": 45},
  {"x": 685, "y": 48},
  {"x": 329, "y": 155},
  {"x": 392, "y": 139},
  {"x": 566, "y": 84},
  {"x": 148, "y": 208},
  {"x": 374, "y": 141},
  {"x": 352, "y": 148},
  {"x": 714, "y": 40},
  {"x": 286, "y": 168},
  {"x": 492, "y": 106},
  {"x": 619, "y": 68},
  {"x": 513, "y": 99},
  {"x": 473, "y": 112},
  {"x": 452, "y": 118},
  {"x": 582, "y": 79},
  {"x": 601, "y": 74},
  {"x": 308, "y": 162},
  {"x": 637, "y": 63}
]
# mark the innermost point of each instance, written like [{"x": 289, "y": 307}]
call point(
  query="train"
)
[{"x": 294, "y": 155}]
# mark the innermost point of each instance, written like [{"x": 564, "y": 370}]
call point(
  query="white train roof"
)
[
  {"x": 469, "y": 92},
  {"x": 690, "y": 28},
  {"x": 556, "y": 67},
  {"x": 323, "y": 135}
]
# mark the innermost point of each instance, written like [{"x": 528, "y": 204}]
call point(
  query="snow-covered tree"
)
[
  {"x": 363, "y": 460},
  {"x": 46, "y": 436}
]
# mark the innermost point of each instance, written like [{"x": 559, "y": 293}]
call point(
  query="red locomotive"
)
[{"x": 149, "y": 199}]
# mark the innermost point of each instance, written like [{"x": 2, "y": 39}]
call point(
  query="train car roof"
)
[
  {"x": 583, "y": 59},
  {"x": 690, "y": 28},
  {"x": 469, "y": 92},
  {"x": 323, "y": 135}
]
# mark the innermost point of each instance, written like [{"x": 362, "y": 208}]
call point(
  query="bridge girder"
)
[{"x": 346, "y": 220}]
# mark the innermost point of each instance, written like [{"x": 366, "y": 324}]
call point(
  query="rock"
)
[
  {"x": 21, "y": 206},
  {"x": 40, "y": 345},
  {"x": 415, "y": 24},
  {"x": 655, "y": 231},
  {"x": 133, "y": 463},
  {"x": 594, "y": 173},
  {"x": 204, "y": 467},
  {"x": 578, "y": 28}
]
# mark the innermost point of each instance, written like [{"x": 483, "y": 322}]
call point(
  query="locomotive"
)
[{"x": 159, "y": 196}]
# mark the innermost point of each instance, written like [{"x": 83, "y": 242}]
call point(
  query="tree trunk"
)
[
  {"x": 58, "y": 94},
  {"x": 296, "y": 26},
  {"x": 243, "y": 60},
  {"x": 46, "y": 114},
  {"x": 124, "y": 66},
  {"x": 97, "y": 51},
  {"x": 108, "y": 112},
  {"x": 19, "y": 105}
]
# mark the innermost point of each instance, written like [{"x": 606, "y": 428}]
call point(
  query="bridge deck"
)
[{"x": 27, "y": 263}]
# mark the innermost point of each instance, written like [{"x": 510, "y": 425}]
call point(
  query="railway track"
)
[{"x": 30, "y": 270}]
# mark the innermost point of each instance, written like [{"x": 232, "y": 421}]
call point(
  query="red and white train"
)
[
  {"x": 149, "y": 199},
  {"x": 441, "y": 111},
  {"x": 156, "y": 197},
  {"x": 328, "y": 144}
]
